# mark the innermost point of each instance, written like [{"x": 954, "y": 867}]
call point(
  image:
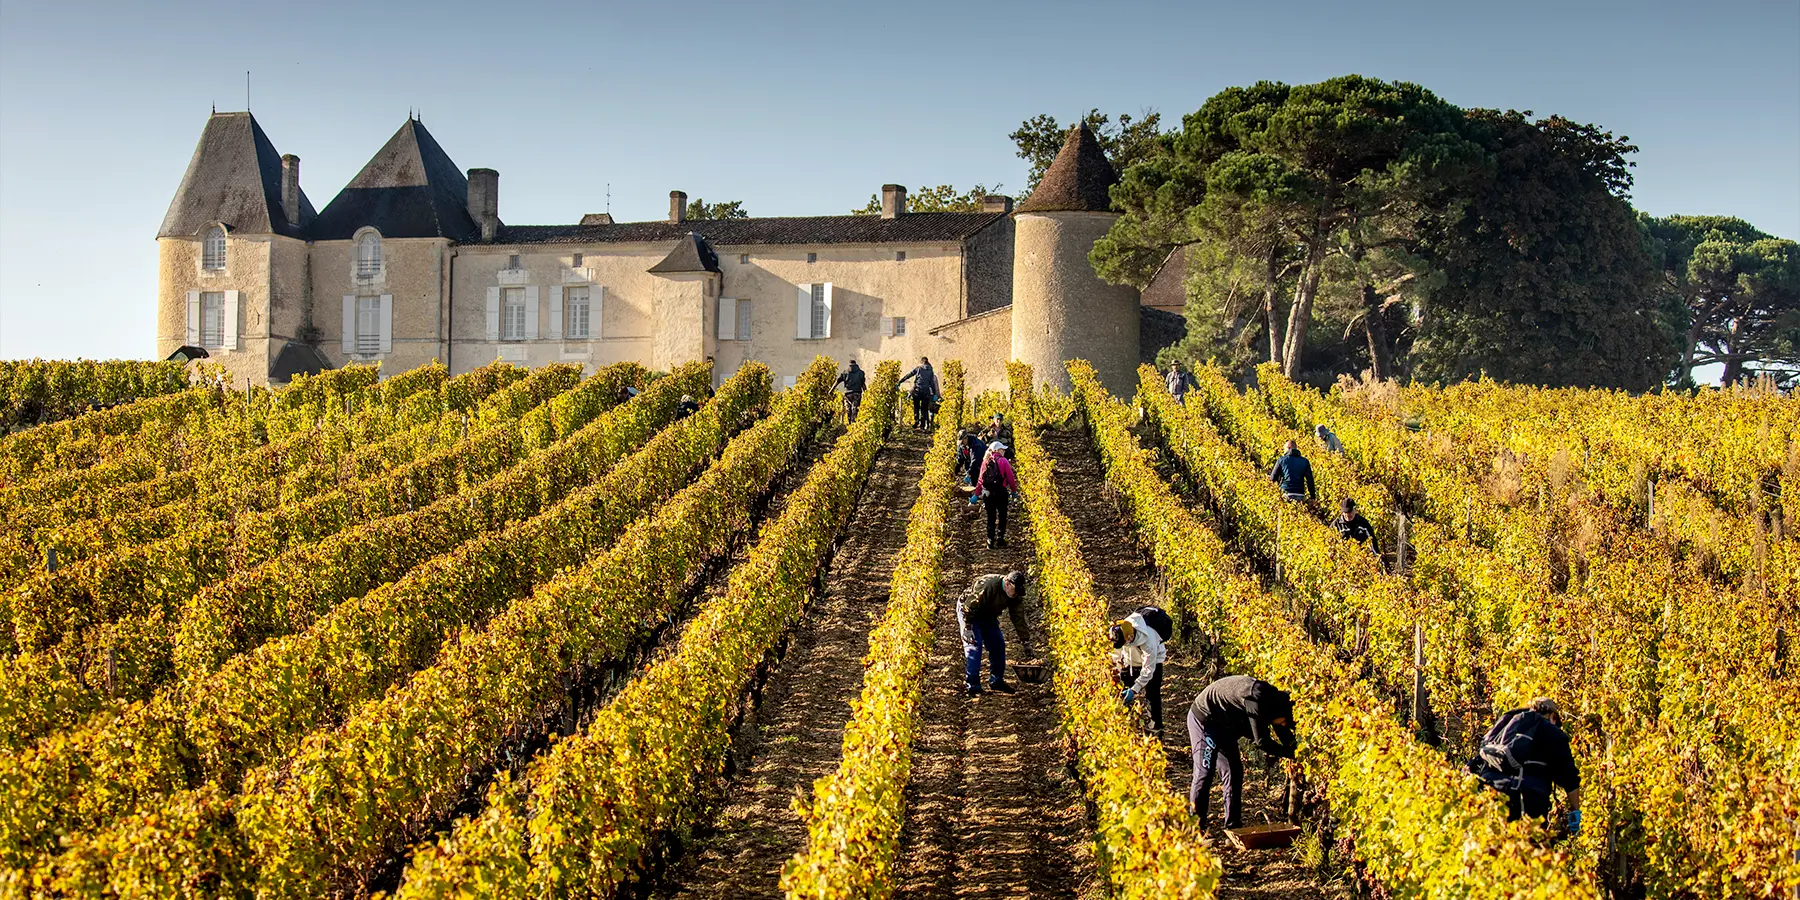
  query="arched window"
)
[
  {"x": 368, "y": 255},
  {"x": 212, "y": 249}
]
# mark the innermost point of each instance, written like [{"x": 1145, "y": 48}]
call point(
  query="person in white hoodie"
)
[{"x": 1140, "y": 659}]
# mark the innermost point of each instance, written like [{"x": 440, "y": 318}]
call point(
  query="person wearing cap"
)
[
  {"x": 1140, "y": 657},
  {"x": 687, "y": 407},
  {"x": 924, "y": 391},
  {"x": 854, "y": 381},
  {"x": 978, "y": 617},
  {"x": 999, "y": 430},
  {"x": 1351, "y": 525},
  {"x": 995, "y": 485},
  {"x": 1524, "y": 756},
  {"x": 1325, "y": 435},
  {"x": 1232, "y": 708}
]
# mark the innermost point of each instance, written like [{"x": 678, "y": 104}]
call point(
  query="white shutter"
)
[
  {"x": 349, "y": 324},
  {"x": 193, "y": 319},
  {"x": 231, "y": 314},
  {"x": 493, "y": 314},
  {"x": 531, "y": 312},
  {"x": 827, "y": 311},
  {"x": 887, "y": 326},
  {"x": 727, "y": 319},
  {"x": 556, "y": 312},
  {"x": 387, "y": 322},
  {"x": 803, "y": 314},
  {"x": 596, "y": 311}
]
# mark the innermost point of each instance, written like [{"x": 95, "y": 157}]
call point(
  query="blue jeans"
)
[{"x": 987, "y": 634}]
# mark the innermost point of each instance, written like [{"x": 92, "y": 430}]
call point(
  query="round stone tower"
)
[{"x": 1061, "y": 309}]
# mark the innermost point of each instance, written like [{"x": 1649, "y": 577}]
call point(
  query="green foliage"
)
[
  {"x": 730, "y": 209},
  {"x": 1740, "y": 288},
  {"x": 943, "y": 198}
]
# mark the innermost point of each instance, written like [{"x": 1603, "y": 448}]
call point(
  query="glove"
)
[
  {"x": 1128, "y": 695},
  {"x": 1574, "y": 821}
]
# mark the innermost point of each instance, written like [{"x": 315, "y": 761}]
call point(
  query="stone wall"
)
[{"x": 1062, "y": 310}]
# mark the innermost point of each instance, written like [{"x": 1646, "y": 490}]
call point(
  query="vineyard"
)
[{"x": 544, "y": 634}]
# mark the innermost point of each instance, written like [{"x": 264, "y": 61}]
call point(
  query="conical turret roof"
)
[
  {"x": 410, "y": 188},
  {"x": 1078, "y": 178},
  {"x": 234, "y": 177},
  {"x": 692, "y": 253}
]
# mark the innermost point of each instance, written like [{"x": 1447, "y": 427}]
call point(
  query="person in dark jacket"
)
[
  {"x": 1524, "y": 756},
  {"x": 1294, "y": 474},
  {"x": 924, "y": 391},
  {"x": 999, "y": 430},
  {"x": 1232, "y": 708},
  {"x": 1177, "y": 382},
  {"x": 854, "y": 381},
  {"x": 978, "y": 616},
  {"x": 971, "y": 451},
  {"x": 1352, "y": 526}
]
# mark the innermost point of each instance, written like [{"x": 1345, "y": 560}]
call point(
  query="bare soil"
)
[
  {"x": 794, "y": 734},
  {"x": 992, "y": 810},
  {"x": 1124, "y": 576}
]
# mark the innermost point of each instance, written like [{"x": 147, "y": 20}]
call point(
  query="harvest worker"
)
[
  {"x": 1329, "y": 439},
  {"x": 1139, "y": 638},
  {"x": 854, "y": 381},
  {"x": 924, "y": 391},
  {"x": 687, "y": 407},
  {"x": 1294, "y": 474},
  {"x": 1352, "y": 526},
  {"x": 999, "y": 430},
  {"x": 970, "y": 452},
  {"x": 1234, "y": 707},
  {"x": 1524, "y": 755},
  {"x": 995, "y": 484},
  {"x": 978, "y": 617},
  {"x": 1177, "y": 382}
]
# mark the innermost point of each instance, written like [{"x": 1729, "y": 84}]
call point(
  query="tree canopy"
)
[
  {"x": 1363, "y": 224},
  {"x": 942, "y": 198},
  {"x": 1740, "y": 290},
  {"x": 730, "y": 209}
]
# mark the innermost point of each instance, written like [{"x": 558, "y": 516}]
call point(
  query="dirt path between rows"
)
[
  {"x": 796, "y": 731},
  {"x": 1123, "y": 575},
  {"x": 992, "y": 810}
]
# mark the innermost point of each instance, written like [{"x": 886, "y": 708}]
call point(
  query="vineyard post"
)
[
  {"x": 112, "y": 671},
  {"x": 50, "y": 560},
  {"x": 1418, "y": 709},
  {"x": 1400, "y": 545},
  {"x": 1277, "y": 548},
  {"x": 1650, "y": 505}
]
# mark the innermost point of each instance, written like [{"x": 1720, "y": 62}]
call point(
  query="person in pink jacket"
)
[{"x": 995, "y": 485}]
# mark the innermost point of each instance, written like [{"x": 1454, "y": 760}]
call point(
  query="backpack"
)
[
  {"x": 1508, "y": 749},
  {"x": 1159, "y": 620},
  {"x": 992, "y": 481}
]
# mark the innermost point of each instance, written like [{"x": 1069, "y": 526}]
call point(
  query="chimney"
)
[
  {"x": 290, "y": 189},
  {"x": 484, "y": 201},
  {"x": 996, "y": 203},
  {"x": 893, "y": 201},
  {"x": 677, "y": 207}
]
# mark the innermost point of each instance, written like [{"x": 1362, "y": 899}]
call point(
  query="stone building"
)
[{"x": 411, "y": 262}]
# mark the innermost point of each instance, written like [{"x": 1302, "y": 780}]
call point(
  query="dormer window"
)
[
  {"x": 368, "y": 255},
  {"x": 212, "y": 249}
]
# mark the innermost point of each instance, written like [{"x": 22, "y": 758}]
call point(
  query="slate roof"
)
[
  {"x": 296, "y": 358},
  {"x": 234, "y": 177},
  {"x": 1077, "y": 179},
  {"x": 1168, "y": 288},
  {"x": 909, "y": 228},
  {"x": 410, "y": 188},
  {"x": 691, "y": 254}
]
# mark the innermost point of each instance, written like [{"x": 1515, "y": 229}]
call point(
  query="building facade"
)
[{"x": 411, "y": 262}]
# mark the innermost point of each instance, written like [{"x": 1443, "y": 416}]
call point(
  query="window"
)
[
  {"x": 899, "y": 256},
  {"x": 893, "y": 327},
  {"x": 368, "y": 325},
  {"x": 743, "y": 259},
  {"x": 212, "y": 319},
  {"x": 743, "y": 320},
  {"x": 212, "y": 249},
  {"x": 821, "y": 314},
  {"x": 368, "y": 255},
  {"x": 899, "y": 326},
  {"x": 512, "y": 314},
  {"x": 575, "y": 307},
  {"x": 512, "y": 262},
  {"x": 575, "y": 261},
  {"x": 812, "y": 257}
]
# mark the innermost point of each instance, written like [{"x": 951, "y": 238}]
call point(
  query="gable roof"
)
[
  {"x": 410, "y": 188},
  {"x": 296, "y": 358},
  {"x": 691, "y": 254},
  {"x": 910, "y": 228},
  {"x": 234, "y": 177},
  {"x": 1077, "y": 179}
]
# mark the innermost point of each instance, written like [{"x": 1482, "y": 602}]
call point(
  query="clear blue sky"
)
[{"x": 793, "y": 108}]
